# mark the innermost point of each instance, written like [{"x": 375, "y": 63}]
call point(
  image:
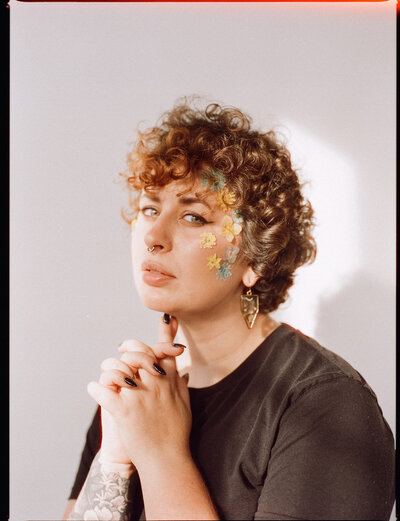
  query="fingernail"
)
[
  {"x": 179, "y": 346},
  {"x": 166, "y": 318},
  {"x": 130, "y": 382},
  {"x": 186, "y": 377},
  {"x": 159, "y": 369}
]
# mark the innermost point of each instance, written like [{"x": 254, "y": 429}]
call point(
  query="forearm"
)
[
  {"x": 173, "y": 489},
  {"x": 105, "y": 492}
]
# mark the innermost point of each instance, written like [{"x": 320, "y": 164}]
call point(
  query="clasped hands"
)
[{"x": 150, "y": 421}]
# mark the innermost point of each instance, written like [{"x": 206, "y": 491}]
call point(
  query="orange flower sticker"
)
[
  {"x": 213, "y": 261},
  {"x": 230, "y": 228},
  {"x": 207, "y": 240},
  {"x": 225, "y": 198}
]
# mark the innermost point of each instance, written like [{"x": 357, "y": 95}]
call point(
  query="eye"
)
[
  {"x": 149, "y": 211},
  {"x": 194, "y": 218}
]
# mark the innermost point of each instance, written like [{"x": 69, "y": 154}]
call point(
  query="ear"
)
[{"x": 249, "y": 278}]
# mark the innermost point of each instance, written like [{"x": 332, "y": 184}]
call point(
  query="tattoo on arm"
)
[{"x": 103, "y": 496}]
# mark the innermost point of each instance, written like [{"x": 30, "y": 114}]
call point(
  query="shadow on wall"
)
[{"x": 358, "y": 324}]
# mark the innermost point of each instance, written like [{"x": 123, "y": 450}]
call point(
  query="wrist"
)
[
  {"x": 162, "y": 462},
  {"x": 109, "y": 465},
  {"x": 189, "y": 497}
]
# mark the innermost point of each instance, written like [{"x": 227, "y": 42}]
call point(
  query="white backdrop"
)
[{"x": 82, "y": 76}]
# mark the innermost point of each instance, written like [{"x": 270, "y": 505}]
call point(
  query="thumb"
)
[
  {"x": 167, "y": 328},
  {"x": 183, "y": 390}
]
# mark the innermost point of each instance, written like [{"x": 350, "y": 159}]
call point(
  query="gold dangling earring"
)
[{"x": 249, "y": 304}]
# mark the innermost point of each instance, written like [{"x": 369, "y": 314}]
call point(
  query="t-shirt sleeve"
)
[
  {"x": 333, "y": 457},
  {"x": 92, "y": 446}
]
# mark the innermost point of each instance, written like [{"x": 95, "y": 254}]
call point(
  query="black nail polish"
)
[
  {"x": 179, "y": 345},
  {"x": 186, "y": 377},
  {"x": 130, "y": 382},
  {"x": 166, "y": 318},
  {"x": 159, "y": 369}
]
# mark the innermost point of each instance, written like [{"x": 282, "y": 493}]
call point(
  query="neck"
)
[{"x": 218, "y": 344}]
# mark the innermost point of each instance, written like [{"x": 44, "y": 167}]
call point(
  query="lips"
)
[{"x": 154, "y": 267}]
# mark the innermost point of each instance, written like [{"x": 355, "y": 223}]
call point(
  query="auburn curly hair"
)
[{"x": 278, "y": 221}]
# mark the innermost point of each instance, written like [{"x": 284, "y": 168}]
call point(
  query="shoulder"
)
[
  {"x": 322, "y": 385},
  {"x": 336, "y": 407},
  {"x": 295, "y": 370},
  {"x": 329, "y": 452},
  {"x": 334, "y": 434},
  {"x": 301, "y": 362}
]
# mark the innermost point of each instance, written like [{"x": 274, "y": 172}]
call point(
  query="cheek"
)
[
  {"x": 138, "y": 247},
  {"x": 211, "y": 256},
  {"x": 193, "y": 259},
  {"x": 134, "y": 247}
]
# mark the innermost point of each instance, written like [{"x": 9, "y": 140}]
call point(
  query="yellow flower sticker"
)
[
  {"x": 229, "y": 228},
  {"x": 213, "y": 261},
  {"x": 207, "y": 240},
  {"x": 225, "y": 198}
]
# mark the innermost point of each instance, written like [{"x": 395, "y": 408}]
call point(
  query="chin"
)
[
  {"x": 158, "y": 307},
  {"x": 152, "y": 299}
]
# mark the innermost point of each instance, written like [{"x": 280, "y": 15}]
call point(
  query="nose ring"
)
[{"x": 151, "y": 249}]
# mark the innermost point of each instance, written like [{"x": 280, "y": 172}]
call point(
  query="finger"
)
[
  {"x": 167, "y": 331},
  {"x": 116, "y": 379},
  {"x": 183, "y": 390},
  {"x": 165, "y": 367},
  {"x": 137, "y": 360},
  {"x": 113, "y": 363},
  {"x": 163, "y": 349},
  {"x": 104, "y": 397},
  {"x": 134, "y": 345},
  {"x": 166, "y": 334},
  {"x": 168, "y": 367},
  {"x": 159, "y": 350}
]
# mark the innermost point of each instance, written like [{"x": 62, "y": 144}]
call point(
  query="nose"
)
[{"x": 159, "y": 235}]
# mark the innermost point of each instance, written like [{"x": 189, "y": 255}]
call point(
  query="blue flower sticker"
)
[
  {"x": 231, "y": 254},
  {"x": 204, "y": 180},
  {"x": 214, "y": 178},
  {"x": 237, "y": 216},
  {"x": 224, "y": 271}
]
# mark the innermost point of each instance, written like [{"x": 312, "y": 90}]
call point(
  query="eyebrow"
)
[{"x": 185, "y": 200}]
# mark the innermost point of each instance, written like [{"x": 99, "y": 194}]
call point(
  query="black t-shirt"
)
[{"x": 293, "y": 433}]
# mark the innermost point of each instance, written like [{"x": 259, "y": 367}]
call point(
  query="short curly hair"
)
[{"x": 278, "y": 221}]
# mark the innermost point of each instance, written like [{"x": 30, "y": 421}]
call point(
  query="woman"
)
[{"x": 273, "y": 426}]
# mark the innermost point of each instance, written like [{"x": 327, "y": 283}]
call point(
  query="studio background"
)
[{"x": 83, "y": 75}]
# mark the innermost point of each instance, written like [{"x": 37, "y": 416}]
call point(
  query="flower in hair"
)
[
  {"x": 213, "y": 261},
  {"x": 204, "y": 180},
  {"x": 207, "y": 240},
  {"x": 224, "y": 271},
  {"x": 133, "y": 222},
  {"x": 237, "y": 216},
  {"x": 214, "y": 179},
  {"x": 225, "y": 198},
  {"x": 229, "y": 228},
  {"x": 231, "y": 254}
]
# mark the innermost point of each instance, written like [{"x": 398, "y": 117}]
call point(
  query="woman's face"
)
[{"x": 195, "y": 266}]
